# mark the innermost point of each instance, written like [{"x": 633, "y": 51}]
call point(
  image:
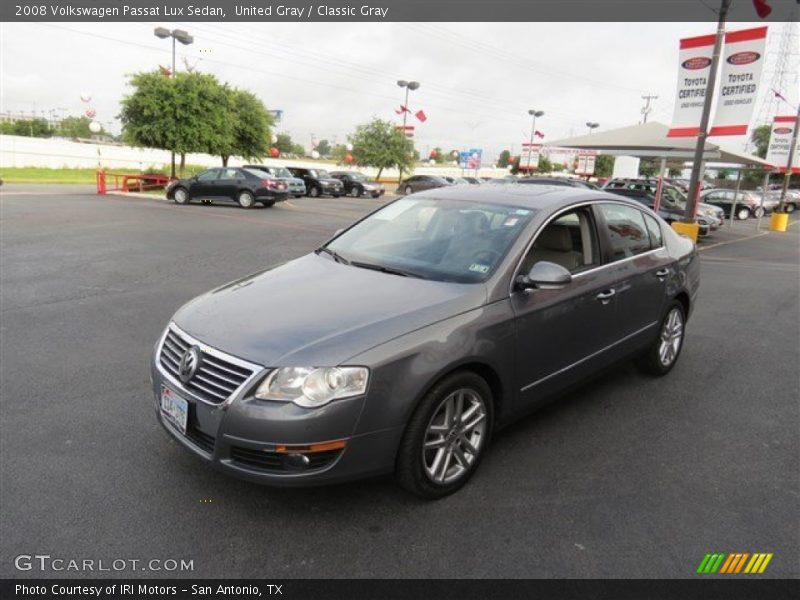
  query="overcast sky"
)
[{"x": 478, "y": 80}]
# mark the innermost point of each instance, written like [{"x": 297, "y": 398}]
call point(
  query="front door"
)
[
  {"x": 561, "y": 334},
  {"x": 203, "y": 185}
]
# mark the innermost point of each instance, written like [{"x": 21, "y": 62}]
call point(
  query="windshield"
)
[
  {"x": 357, "y": 176},
  {"x": 444, "y": 240},
  {"x": 281, "y": 172},
  {"x": 319, "y": 173}
]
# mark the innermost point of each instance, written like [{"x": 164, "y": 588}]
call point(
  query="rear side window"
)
[
  {"x": 626, "y": 230},
  {"x": 654, "y": 229}
]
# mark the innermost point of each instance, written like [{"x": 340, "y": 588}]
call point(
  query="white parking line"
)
[{"x": 744, "y": 239}]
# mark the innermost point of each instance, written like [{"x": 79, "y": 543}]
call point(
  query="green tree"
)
[
  {"x": 545, "y": 166},
  {"x": 284, "y": 143},
  {"x": 74, "y": 127},
  {"x": 760, "y": 139},
  {"x": 338, "y": 152},
  {"x": 379, "y": 144},
  {"x": 324, "y": 148},
  {"x": 188, "y": 113},
  {"x": 603, "y": 165},
  {"x": 250, "y": 128},
  {"x": 298, "y": 150},
  {"x": 673, "y": 172},
  {"x": 558, "y": 167},
  {"x": 27, "y": 127},
  {"x": 503, "y": 159}
]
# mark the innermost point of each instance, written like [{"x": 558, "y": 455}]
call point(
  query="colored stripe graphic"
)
[{"x": 734, "y": 563}]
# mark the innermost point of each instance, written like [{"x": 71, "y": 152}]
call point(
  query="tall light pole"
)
[
  {"x": 533, "y": 113},
  {"x": 409, "y": 86},
  {"x": 789, "y": 163},
  {"x": 592, "y": 126},
  {"x": 184, "y": 38}
]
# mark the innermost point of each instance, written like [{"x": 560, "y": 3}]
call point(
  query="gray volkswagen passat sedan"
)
[{"x": 404, "y": 342}]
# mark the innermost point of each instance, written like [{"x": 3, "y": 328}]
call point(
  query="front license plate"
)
[{"x": 174, "y": 408}]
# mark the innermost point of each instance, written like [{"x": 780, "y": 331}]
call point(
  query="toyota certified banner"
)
[
  {"x": 694, "y": 67},
  {"x": 586, "y": 162},
  {"x": 780, "y": 140},
  {"x": 529, "y": 157},
  {"x": 742, "y": 62}
]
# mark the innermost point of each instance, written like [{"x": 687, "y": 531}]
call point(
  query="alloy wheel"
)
[
  {"x": 181, "y": 196},
  {"x": 671, "y": 337},
  {"x": 743, "y": 213},
  {"x": 455, "y": 436}
]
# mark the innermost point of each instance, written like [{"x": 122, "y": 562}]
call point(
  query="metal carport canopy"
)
[{"x": 649, "y": 140}]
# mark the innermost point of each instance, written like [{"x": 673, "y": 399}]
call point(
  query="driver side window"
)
[
  {"x": 570, "y": 240},
  {"x": 208, "y": 175}
]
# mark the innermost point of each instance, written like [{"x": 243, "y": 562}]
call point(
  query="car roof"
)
[{"x": 533, "y": 196}]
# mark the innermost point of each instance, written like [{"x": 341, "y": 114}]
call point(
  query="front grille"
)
[
  {"x": 215, "y": 379},
  {"x": 274, "y": 461}
]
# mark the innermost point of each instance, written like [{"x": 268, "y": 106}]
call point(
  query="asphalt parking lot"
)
[{"x": 628, "y": 477}]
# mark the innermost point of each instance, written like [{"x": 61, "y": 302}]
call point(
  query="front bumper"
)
[{"x": 253, "y": 439}]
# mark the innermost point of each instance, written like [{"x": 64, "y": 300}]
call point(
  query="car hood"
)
[{"x": 314, "y": 311}]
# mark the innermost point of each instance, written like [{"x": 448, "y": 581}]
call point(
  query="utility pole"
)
[
  {"x": 789, "y": 163},
  {"x": 694, "y": 180},
  {"x": 646, "y": 108}
]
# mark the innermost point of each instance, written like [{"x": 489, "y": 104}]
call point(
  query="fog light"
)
[{"x": 296, "y": 461}]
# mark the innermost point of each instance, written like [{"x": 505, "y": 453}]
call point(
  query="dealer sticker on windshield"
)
[{"x": 479, "y": 268}]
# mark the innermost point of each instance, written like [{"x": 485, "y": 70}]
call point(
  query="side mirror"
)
[{"x": 544, "y": 275}]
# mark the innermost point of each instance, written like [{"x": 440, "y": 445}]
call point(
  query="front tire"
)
[
  {"x": 409, "y": 190},
  {"x": 181, "y": 196},
  {"x": 356, "y": 192},
  {"x": 246, "y": 199},
  {"x": 743, "y": 213},
  {"x": 446, "y": 437},
  {"x": 789, "y": 207},
  {"x": 663, "y": 353},
  {"x": 314, "y": 192}
]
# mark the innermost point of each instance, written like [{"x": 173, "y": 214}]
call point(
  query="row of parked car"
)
[
  {"x": 261, "y": 184},
  {"x": 716, "y": 204}
]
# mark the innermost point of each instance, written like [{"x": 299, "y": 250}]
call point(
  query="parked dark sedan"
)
[
  {"x": 246, "y": 187},
  {"x": 297, "y": 187},
  {"x": 357, "y": 184},
  {"x": 418, "y": 183},
  {"x": 748, "y": 204},
  {"x": 318, "y": 182},
  {"x": 404, "y": 342}
]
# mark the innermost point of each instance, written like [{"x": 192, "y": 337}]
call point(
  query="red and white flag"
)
[
  {"x": 740, "y": 80},
  {"x": 402, "y": 109},
  {"x": 694, "y": 67},
  {"x": 421, "y": 116},
  {"x": 538, "y": 134},
  {"x": 780, "y": 140}
]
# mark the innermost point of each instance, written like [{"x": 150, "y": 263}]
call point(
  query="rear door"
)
[{"x": 641, "y": 269}]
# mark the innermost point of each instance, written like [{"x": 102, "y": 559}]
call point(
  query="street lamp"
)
[
  {"x": 184, "y": 38},
  {"x": 410, "y": 86},
  {"x": 591, "y": 126},
  {"x": 533, "y": 113}
]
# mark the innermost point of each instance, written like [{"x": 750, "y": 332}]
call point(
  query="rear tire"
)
[
  {"x": 409, "y": 190},
  {"x": 742, "y": 213},
  {"x": 446, "y": 437},
  {"x": 181, "y": 196},
  {"x": 789, "y": 207},
  {"x": 759, "y": 212},
  {"x": 268, "y": 203},
  {"x": 246, "y": 199},
  {"x": 314, "y": 192},
  {"x": 356, "y": 192},
  {"x": 663, "y": 353}
]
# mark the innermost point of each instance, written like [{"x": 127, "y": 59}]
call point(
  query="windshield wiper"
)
[
  {"x": 335, "y": 255},
  {"x": 385, "y": 269}
]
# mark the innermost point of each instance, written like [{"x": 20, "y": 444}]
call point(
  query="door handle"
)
[
  {"x": 661, "y": 274},
  {"x": 605, "y": 297}
]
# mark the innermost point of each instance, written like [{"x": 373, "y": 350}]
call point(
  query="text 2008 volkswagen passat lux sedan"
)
[{"x": 405, "y": 341}]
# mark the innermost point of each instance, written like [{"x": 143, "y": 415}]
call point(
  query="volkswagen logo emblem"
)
[{"x": 189, "y": 364}]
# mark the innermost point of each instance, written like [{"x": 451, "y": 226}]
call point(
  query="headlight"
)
[
  {"x": 369, "y": 188},
  {"x": 311, "y": 387}
]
